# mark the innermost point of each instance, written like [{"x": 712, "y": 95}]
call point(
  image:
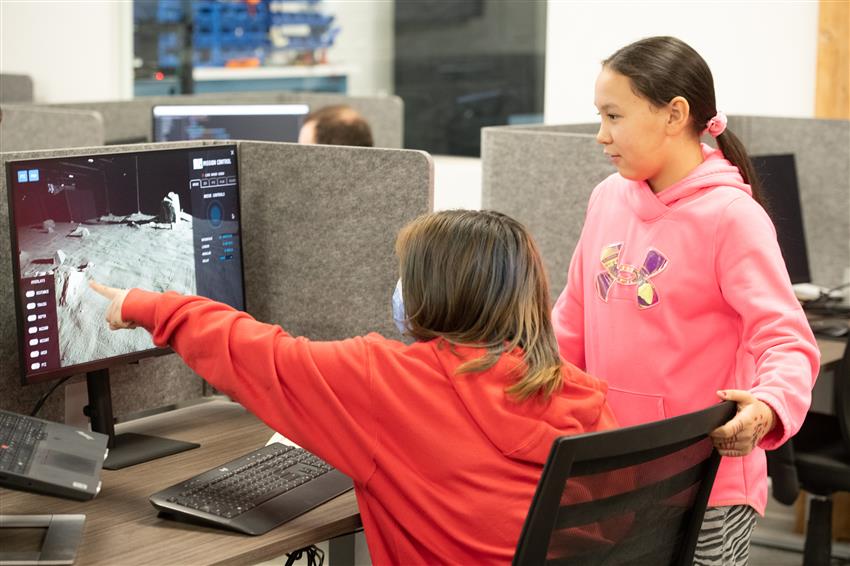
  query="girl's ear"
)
[{"x": 679, "y": 113}]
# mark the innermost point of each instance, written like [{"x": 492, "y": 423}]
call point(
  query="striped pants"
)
[{"x": 724, "y": 539}]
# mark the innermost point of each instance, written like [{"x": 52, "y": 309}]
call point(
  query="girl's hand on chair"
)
[
  {"x": 740, "y": 435},
  {"x": 116, "y": 301}
]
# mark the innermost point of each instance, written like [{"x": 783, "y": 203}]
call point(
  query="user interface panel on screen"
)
[{"x": 161, "y": 220}]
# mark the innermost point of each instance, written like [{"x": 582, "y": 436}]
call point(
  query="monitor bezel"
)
[
  {"x": 253, "y": 105},
  {"x": 105, "y": 363}
]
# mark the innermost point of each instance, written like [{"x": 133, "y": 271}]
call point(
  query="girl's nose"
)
[{"x": 602, "y": 136}]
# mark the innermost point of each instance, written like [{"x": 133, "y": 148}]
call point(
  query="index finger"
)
[{"x": 108, "y": 292}]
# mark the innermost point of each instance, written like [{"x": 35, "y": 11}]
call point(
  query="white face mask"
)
[{"x": 399, "y": 316}]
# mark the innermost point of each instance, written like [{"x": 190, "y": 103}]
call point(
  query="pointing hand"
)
[{"x": 113, "y": 311}]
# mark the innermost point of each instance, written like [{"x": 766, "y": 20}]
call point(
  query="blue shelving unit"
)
[
  {"x": 297, "y": 31},
  {"x": 224, "y": 31},
  {"x": 277, "y": 33}
]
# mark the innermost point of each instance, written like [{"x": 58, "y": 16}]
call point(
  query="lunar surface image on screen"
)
[{"x": 110, "y": 226}]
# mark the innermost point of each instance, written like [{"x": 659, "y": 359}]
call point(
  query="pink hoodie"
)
[{"x": 672, "y": 297}]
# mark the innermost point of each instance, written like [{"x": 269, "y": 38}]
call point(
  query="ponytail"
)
[{"x": 735, "y": 152}]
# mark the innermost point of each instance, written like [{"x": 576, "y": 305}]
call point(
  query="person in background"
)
[
  {"x": 677, "y": 292},
  {"x": 445, "y": 438},
  {"x": 336, "y": 125}
]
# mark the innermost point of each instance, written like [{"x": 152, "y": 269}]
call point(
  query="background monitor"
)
[
  {"x": 157, "y": 220},
  {"x": 778, "y": 176},
  {"x": 259, "y": 122}
]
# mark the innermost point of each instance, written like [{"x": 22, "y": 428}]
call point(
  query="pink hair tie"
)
[{"x": 716, "y": 125}]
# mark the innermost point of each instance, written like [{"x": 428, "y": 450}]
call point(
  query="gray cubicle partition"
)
[
  {"x": 130, "y": 120},
  {"x": 318, "y": 229},
  {"x": 542, "y": 177},
  {"x": 320, "y": 225},
  {"x": 28, "y": 127},
  {"x": 124, "y": 121},
  {"x": 821, "y": 151},
  {"x": 15, "y": 88}
]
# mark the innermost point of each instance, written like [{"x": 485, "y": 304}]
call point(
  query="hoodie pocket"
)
[{"x": 632, "y": 408}]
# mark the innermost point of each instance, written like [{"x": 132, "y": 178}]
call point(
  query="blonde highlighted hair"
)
[{"x": 475, "y": 278}]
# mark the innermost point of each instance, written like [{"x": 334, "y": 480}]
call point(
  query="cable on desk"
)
[
  {"x": 44, "y": 397},
  {"x": 315, "y": 556}
]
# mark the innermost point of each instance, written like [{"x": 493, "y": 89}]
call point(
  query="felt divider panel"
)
[
  {"x": 28, "y": 127},
  {"x": 543, "y": 179},
  {"x": 319, "y": 228},
  {"x": 15, "y": 88}
]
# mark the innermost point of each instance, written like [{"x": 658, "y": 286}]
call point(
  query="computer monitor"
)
[
  {"x": 157, "y": 220},
  {"x": 259, "y": 122},
  {"x": 778, "y": 176}
]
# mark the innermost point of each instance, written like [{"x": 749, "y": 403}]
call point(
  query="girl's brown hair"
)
[
  {"x": 662, "y": 68},
  {"x": 476, "y": 278}
]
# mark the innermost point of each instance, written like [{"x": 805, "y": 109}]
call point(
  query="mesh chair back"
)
[{"x": 634, "y": 495}]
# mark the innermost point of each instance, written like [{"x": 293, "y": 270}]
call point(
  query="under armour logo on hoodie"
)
[{"x": 625, "y": 274}]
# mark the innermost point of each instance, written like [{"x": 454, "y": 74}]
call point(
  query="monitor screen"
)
[
  {"x": 778, "y": 176},
  {"x": 157, "y": 220},
  {"x": 260, "y": 122}
]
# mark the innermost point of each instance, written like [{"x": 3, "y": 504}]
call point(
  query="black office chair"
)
[
  {"x": 634, "y": 495},
  {"x": 821, "y": 453}
]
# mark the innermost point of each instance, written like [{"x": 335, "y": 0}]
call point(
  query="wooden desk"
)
[{"x": 122, "y": 527}]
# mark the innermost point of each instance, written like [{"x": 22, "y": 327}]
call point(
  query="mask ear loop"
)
[{"x": 399, "y": 314}]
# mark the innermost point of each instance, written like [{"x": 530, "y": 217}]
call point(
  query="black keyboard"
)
[
  {"x": 254, "y": 493},
  {"x": 19, "y": 436}
]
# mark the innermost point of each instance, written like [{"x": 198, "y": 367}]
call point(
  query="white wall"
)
[
  {"x": 457, "y": 182},
  {"x": 365, "y": 45},
  {"x": 762, "y": 54},
  {"x": 75, "y": 51}
]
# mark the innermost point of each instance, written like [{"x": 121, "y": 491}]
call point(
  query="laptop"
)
[{"x": 50, "y": 458}]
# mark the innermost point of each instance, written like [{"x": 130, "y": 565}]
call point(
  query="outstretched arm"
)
[{"x": 319, "y": 394}]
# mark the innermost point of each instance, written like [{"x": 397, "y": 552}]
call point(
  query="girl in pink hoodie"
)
[{"x": 677, "y": 292}]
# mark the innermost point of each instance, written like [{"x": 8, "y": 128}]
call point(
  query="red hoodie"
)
[{"x": 444, "y": 465}]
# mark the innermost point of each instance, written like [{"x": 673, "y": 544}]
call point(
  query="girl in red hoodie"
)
[{"x": 445, "y": 439}]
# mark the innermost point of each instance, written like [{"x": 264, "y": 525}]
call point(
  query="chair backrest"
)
[
  {"x": 634, "y": 495},
  {"x": 841, "y": 395},
  {"x": 782, "y": 469}
]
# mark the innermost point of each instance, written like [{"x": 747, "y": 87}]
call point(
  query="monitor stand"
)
[{"x": 129, "y": 448}]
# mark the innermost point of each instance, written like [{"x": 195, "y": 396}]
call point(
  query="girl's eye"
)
[{"x": 613, "y": 116}]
